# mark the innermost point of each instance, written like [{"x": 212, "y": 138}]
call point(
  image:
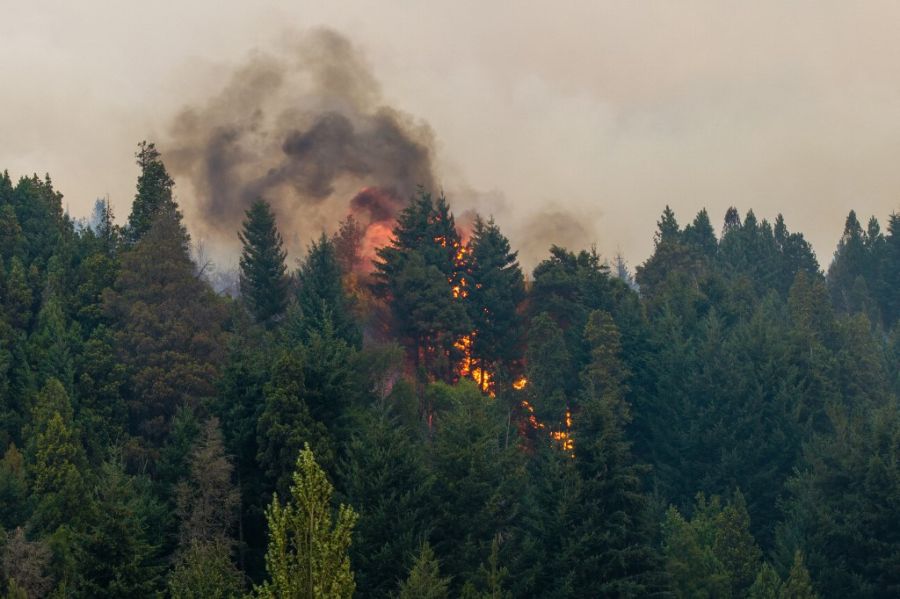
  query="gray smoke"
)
[{"x": 304, "y": 129}]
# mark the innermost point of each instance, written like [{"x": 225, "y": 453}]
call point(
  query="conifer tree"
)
[
  {"x": 117, "y": 552},
  {"x": 168, "y": 331},
  {"x": 264, "y": 285},
  {"x": 207, "y": 504},
  {"x": 321, "y": 296},
  {"x": 154, "y": 192},
  {"x": 494, "y": 290},
  {"x": 798, "y": 585},
  {"x": 58, "y": 461},
  {"x": 418, "y": 273},
  {"x": 767, "y": 584},
  {"x": 384, "y": 473},
  {"x": 425, "y": 581},
  {"x": 613, "y": 523},
  {"x": 307, "y": 557}
]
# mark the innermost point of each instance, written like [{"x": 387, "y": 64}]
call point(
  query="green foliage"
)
[
  {"x": 494, "y": 289},
  {"x": 713, "y": 554},
  {"x": 168, "y": 332},
  {"x": 264, "y": 285},
  {"x": 321, "y": 298},
  {"x": 308, "y": 548},
  {"x": 418, "y": 272},
  {"x": 384, "y": 475},
  {"x": 116, "y": 553},
  {"x": 424, "y": 580},
  {"x": 154, "y": 193},
  {"x": 205, "y": 571},
  {"x": 478, "y": 474},
  {"x": 767, "y": 584}
]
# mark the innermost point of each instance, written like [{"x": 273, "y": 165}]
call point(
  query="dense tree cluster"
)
[{"x": 722, "y": 424}]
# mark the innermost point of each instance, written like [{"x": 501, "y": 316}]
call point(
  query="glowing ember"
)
[{"x": 519, "y": 383}]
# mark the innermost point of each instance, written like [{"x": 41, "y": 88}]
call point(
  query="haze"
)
[{"x": 583, "y": 122}]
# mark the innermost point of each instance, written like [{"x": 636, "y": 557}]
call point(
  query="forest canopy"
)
[{"x": 428, "y": 420}]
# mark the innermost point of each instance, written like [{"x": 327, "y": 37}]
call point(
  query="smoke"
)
[{"x": 304, "y": 129}]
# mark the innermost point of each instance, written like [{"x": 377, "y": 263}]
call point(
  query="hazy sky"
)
[{"x": 603, "y": 110}]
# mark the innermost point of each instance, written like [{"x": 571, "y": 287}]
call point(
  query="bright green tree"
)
[
  {"x": 308, "y": 557},
  {"x": 424, "y": 580}
]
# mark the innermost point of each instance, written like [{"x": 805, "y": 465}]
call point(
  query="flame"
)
[
  {"x": 468, "y": 368},
  {"x": 519, "y": 383},
  {"x": 564, "y": 437}
]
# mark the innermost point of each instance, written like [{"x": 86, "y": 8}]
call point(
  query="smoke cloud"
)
[{"x": 305, "y": 130}]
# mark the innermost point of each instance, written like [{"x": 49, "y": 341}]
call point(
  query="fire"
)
[
  {"x": 519, "y": 383},
  {"x": 564, "y": 437},
  {"x": 468, "y": 368}
]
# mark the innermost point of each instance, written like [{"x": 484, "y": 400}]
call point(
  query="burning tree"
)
[{"x": 417, "y": 274}]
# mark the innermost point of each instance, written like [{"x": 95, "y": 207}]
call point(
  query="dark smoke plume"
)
[{"x": 304, "y": 130}]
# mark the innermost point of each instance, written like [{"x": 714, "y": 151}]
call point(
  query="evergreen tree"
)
[
  {"x": 154, "y": 193},
  {"x": 307, "y": 555},
  {"x": 767, "y": 584},
  {"x": 384, "y": 475},
  {"x": 58, "y": 462},
  {"x": 798, "y": 585},
  {"x": 321, "y": 296},
  {"x": 264, "y": 285},
  {"x": 168, "y": 332},
  {"x": 116, "y": 554},
  {"x": 550, "y": 371},
  {"x": 494, "y": 289},
  {"x": 424, "y": 581},
  {"x": 478, "y": 474},
  {"x": 418, "y": 273},
  {"x": 613, "y": 523}
]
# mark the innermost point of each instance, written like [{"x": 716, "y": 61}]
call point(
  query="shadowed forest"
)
[{"x": 403, "y": 412}]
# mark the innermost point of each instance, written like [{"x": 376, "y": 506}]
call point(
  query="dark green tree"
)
[
  {"x": 264, "y": 284},
  {"x": 494, "y": 289},
  {"x": 154, "y": 192},
  {"x": 321, "y": 296},
  {"x": 167, "y": 332},
  {"x": 420, "y": 273}
]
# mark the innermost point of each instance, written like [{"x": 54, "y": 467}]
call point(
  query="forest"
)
[{"x": 430, "y": 421}]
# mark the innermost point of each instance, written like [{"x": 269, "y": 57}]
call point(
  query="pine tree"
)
[
  {"x": 207, "y": 505},
  {"x": 307, "y": 555},
  {"x": 613, "y": 524},
  {"x": 206, "y": 500},
  {"x": 418, "y": 273},
  {"x": 798, "y": 585},
  {"x": 116, "y": 554},
  {"x": 550, "y": 371},
  {"x": 14, "y": 492},
  {"x": 12, "y": 239},
  {"x": 767, "y": 584},
  {"x": 264, "y": 285},
  {"x": 154, "y": 192},
  {"x": 478, "y": 474},
  {"x": 321, "y": 296},
  {"x": 168, "y": 332},
  {"x": 58, "y": 461},
  {"x": 495, "y": 287},
  {"x": 424, "y": 581},
  {"x": 384, "y": 474}
]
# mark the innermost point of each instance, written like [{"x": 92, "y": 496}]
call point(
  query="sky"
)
[{"x": 575, "y": 122}]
